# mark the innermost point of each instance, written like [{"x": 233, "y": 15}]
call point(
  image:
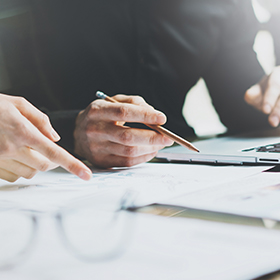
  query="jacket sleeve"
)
[
  {"x": 19, "y": 73},
  {"x": 234, "y": 69},
  {"x": 64, "y": 123}
]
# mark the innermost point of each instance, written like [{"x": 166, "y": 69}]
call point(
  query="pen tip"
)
[{"x": 195, "y": 149}]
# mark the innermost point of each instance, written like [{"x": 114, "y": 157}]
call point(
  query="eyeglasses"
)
[{"x": 94, "y": 228}]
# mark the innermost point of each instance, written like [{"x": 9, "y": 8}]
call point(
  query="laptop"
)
[{"x": 249, "y": 148}]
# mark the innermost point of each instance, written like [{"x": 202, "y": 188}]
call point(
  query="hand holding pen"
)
[
  {"x": 179, "y": 140},
  {"x": 102, "y": 137}
]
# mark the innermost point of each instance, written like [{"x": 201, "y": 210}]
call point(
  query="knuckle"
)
[
  {"x": 94, "y": 107},
  {"x": 52, "y": 153},
  {"x": 44, "y": 166},
  {"x": 130, "y": 151},
  {"x": 21, "y": 129},
  {"x": 72, "y": 167},
  {"x": 127, "y": 162},
  {"x": 20, "y": 100},
  {"x": 126, "y": 137},
  {"x": 153, "y": 139},
  {"x": 45, "y": 120},
  {"x": 5, "y": 148},
  {"x": 122, "y": 112},
  {"x": 146, "y": 115},
  {"x": 137, "y": 99},
  {"x": 24, "y": 135}
]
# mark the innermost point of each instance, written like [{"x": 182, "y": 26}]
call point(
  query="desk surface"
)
[{"x": 61, "y": 187}]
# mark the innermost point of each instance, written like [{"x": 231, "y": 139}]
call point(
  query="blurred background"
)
[{"x": 198, "y": 110}]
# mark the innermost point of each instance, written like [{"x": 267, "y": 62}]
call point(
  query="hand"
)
[
  {"x": 27, "y": 142},
  {"x": 102, "y": 138},
  {"x": 265, "y": 96}
]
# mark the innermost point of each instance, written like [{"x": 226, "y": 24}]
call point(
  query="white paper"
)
[
  {"x": 256, "y": 196},
  {"x": 152, "y": 182},
  {"x": 161, "y": 248}
]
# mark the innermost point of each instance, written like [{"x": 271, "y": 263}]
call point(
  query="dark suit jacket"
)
[{"x": 57, "y": 53}]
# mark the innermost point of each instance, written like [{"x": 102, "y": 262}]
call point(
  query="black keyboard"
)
[{"x": 271, "y": 148}]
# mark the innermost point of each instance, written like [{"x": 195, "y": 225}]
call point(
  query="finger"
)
[
  {"x": 34, "y": 159},
  {"x": 274, "y": 117},
  {"x": 135, "y": 136},
  {"x": 125, "y": 151},
  {"x": 254, "y": 96},
  {"x": 36, "y": 117},
  {"x": 17, "y": 168},
  {"x": 133, "y": 99},
  {"x": 28, "y": 135},
  {"x": 270, "y": 98},
  {"x": 60, "y": 156},
  {"x": 126, "y": 135},
  {"x": 117, "y": 161},
  {"x": 8, "y": 176},
  {"x": 106, "y": 111}
]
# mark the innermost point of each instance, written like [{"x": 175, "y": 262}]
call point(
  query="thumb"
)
[{"x": 254, "y": 96}]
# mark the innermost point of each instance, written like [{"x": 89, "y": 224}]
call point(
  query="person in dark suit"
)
[
  {"x": 265, "y": 95},
  {"x": 58, "y": 53}
]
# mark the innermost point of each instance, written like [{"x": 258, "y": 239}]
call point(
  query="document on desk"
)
[
  {"x": 151, "y": 182},
  {"x": 161, "y": 248},
  {"x": 254, "y": 196}
]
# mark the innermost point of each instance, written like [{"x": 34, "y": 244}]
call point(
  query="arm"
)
[{"x": 234, "y": 69}]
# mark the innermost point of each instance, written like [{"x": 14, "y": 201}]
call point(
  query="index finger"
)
[
  {"x": 271, "y": 89},
  {"x": 58, "y": 155},
  {"x": 271, "y": 96},
  {"x": 254, "y": 96},
  {"x": 133, "y": 99},
  {"x": 125, "y": 112}
]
